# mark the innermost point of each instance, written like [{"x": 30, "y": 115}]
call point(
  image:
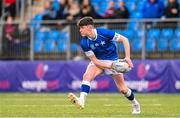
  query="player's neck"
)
[{"x": 92, "y": 34}]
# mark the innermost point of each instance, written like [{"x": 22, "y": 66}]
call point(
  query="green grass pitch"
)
[{"x": 99, "y": 105}]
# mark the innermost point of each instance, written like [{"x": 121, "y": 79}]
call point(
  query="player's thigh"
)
[
  {"x": 120, "y": 83},
  {"x": 91, "y": 72}
]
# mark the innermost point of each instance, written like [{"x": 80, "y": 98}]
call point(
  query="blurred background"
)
[{"x": 40, "y": 52}]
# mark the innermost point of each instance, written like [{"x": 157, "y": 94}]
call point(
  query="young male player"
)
[{"x": 98, "y": 45}]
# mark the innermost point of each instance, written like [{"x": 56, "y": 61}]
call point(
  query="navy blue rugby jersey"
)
[{"x": 103, "y": 46}]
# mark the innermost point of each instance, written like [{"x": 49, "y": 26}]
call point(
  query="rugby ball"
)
[{"x": 122, "y": 66}]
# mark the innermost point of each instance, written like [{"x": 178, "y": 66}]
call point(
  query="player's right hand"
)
[{"x": 128, "y": 60}]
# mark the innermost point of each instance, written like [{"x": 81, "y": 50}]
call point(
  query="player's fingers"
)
[{"x": 129, "y": 62}]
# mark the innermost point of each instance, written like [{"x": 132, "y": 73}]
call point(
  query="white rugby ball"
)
[{"x": 122, "y": 66}]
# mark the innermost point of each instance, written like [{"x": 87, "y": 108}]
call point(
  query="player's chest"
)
[{"x": 97, "y": 44}]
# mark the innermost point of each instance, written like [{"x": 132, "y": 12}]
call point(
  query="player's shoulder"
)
[
  {"x": 104, "y": 31},
  {"x": 83, "y": 41},
  {"x": 84, "y": 44}
]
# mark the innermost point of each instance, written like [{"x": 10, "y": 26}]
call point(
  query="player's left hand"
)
[{"x": 128, "y": 60}]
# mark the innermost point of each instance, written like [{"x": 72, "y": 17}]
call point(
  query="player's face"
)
[{"x": 84, "y": 30}]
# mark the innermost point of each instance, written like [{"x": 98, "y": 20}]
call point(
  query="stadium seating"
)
[
  {"x": 121, "y": 47},
  {"x": 102, "y": 9},
  {"x": 55, "y": 5},
  {"x": 131, "y": 6},
  {"x": 130, "y": 34},
  {"x": 38, "y": 46},
  {"x": 64, "y": 36},
  {"x": 157, "y": 39},
  {"x": 177, "y": 33},
  {"x": 150, "y": 45},
  {"x": 175, "y": 45},
  {"x": 136, "y": 15},
  {"x": 55, "y": 35},
  {"x": 40, "y": 35},
  {"x": 140, "y": 34},
  {"x": 49, "y": 46},
  {"x": 74, "y": 47},
  {"x": 46, "y": 41},
  {"x": 136, "y": 45},
  {"x": 61, "y": 47},
  {"x": 140, "y": 6},
  {"x": 163, "y": 44},
  {"x": 167, "y": 33},
  {"x": 117, "y": 31},
  {"x": 132, "y": 25},
  {"x": 37, "y": 17},
  {"x": 154, "y": 33}
]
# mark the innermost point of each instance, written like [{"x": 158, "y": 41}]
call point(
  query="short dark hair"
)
[{"x": 85, "y": 21}]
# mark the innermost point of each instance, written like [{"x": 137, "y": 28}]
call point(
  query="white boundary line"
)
[
  {"x": 70, "y": 105},
  {"x": 27, "y": 105},
  {"x": 65, "y": 98},
  {"x": 114, "y": 116},
  {"x": 120, "y": 105}
]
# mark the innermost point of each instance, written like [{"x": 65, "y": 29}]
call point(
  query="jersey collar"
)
[{"x": 95, "y": 31}]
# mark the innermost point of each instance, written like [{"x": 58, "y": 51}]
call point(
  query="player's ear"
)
[{"x": 89, "y": 26}]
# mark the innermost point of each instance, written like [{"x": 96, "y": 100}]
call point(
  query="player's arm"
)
[
  {"x": 90, "y": 54},
  {"x": 113, "y": 36},
  {"x": 99, "y": 63},
  {"x": 126, "y": 44}
]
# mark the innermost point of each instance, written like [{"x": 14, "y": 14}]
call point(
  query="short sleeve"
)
[
  {"x": 85, "y": 47},
  {"x": 110, "y": 34}
]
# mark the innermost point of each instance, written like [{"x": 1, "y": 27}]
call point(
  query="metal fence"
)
[{"x": 54, "y": 40}]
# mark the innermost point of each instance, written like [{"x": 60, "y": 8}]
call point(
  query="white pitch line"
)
[
  {"x": 71, "y": 105},
  {"x": 36, "y": 99},
  {"x": 51, "y": 99},
  {"x": 64, "y": 99},
  {"x": 119, "y": 105},
  {"x": 92, "y": 116},
  {"x": 113, "y": 116},
  {"x": 117, "y": 116},
  {"x": 154, "y": 100},
  {"x": 26, "y": 105}
]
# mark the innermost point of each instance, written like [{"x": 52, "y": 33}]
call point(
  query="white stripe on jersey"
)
[
  {"x": 89, "y": 53},
  {"x": 116, "y": 37}
]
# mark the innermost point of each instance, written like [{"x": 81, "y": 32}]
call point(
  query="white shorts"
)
[{"x": 106, "y": 70}]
